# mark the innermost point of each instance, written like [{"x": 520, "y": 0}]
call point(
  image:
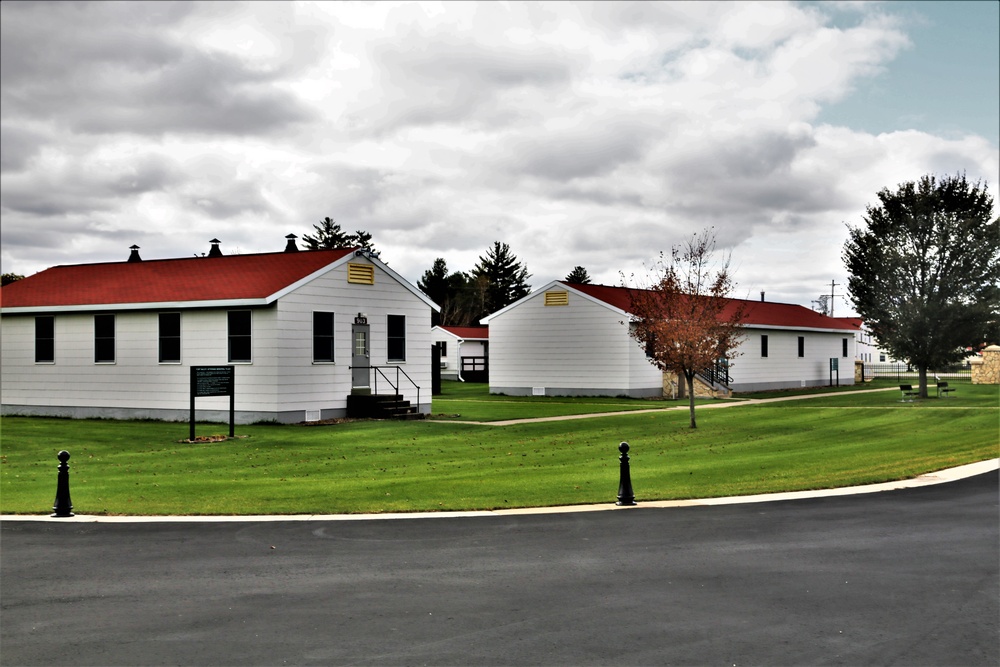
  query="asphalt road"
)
[{"x": 896, "y": 578}]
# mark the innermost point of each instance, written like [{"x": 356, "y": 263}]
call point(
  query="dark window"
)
[
  {"x": 396, "y": 337},
  {"x": 845, "y": 347},
  {"x": 104, "y": 339},
  {"x": 45, "y": 338},
  {"x": 763, "y": 346},
  {"x": 802, "y": 346},
  {"x": 170, "y": 338},
  {"x": 239, "y": 335},
  {"x": 322, "y": 336},
  {"x": 443, "y": 347}
]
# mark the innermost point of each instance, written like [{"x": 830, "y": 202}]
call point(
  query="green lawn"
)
[
  {"x": 378, "y": 466},
  {"x": 466, "y": 401}
]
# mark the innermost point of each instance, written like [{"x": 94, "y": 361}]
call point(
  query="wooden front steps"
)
[{"x": 381, "y": 406}]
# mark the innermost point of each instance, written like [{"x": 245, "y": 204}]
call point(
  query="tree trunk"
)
[
  {"x": 923, "y": 380},
  {"x": 690, "y": 384}
]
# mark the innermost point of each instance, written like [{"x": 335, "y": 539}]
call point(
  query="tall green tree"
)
[
  {"x": 685, "y": 320},
  {"x": 579, "y": 276},
  {"x": 453, "y": 292},
  {"x": 925, "y": 270},
  {"x": 9, "y": 278},
  {"x": 328, "y": 234},
  {"x": 500, "y": 279}
]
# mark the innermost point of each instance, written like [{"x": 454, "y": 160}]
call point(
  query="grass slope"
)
[{"x": 379, "y": 466}]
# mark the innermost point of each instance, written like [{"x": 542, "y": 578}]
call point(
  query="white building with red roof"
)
[
  {"x": 464, "y": 352},
  {"x": 568, "y": 339},
  {"x": 303, "y": 330},
  {"x": 869, "y": 351}
]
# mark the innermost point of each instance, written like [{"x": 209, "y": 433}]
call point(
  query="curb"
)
[{"x": 927, "y": 479}]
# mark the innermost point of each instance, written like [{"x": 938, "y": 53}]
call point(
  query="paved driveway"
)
[{"x": 897, "y": 578}]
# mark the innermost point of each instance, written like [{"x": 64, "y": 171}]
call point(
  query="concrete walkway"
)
[{"x": 723, "y": 403}]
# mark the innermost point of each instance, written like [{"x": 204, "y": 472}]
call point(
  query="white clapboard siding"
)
[
  {"x": 580, "y": 348},
  {"x": 281, "y": 380},
  {"x": 783, "y": 367}
]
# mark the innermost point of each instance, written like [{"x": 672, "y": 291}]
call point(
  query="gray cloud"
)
[
  {"x": 18, "y": 145},
  {"x": 592, "y": 134},
  {"x": 110, "y": 68},
  {"x": 429, "y": 78},
  {"x": 87, "y": 186}
]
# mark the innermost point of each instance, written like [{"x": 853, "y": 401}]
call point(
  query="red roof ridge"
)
[
  {"x": 172, "y": 280},
  {"x": 473, "y": 331},
  {"x": 760, "y": 313}
]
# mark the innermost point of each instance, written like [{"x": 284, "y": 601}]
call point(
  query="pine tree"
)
[
  {"x": 454, "y": 293},
  {"x": 500, "y": 279},
  {"x": 330, "y": 235},
  {"x": 579, "y": 276}
]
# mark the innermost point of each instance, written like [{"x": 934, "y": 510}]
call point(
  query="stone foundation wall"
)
[
  {"x": 859, "y": 372},
  {"x": 675, "y": 386},
  {"x": 987, "y": 369}
]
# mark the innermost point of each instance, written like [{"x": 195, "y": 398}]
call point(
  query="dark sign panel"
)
[{"x": 212, "y": 381}]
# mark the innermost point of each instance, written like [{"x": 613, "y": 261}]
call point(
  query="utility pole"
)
[{"x": 832, "y": 295}]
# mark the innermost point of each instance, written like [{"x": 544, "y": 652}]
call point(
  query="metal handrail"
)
[
  {"x": 395, "y": 387},
  {"x": 718, "y": 373}
]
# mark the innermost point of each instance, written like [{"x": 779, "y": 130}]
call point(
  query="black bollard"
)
[
  {"x": 625, "y": 494},
  {"x": 63, "y": 507}
]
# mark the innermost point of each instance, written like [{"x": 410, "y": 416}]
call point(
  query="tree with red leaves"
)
[{"x": 685, "y": 320}]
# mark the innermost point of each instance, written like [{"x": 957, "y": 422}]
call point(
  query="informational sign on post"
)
[
  {"x": 834, "y": 370},
  {"x": 209, "y": 381}
]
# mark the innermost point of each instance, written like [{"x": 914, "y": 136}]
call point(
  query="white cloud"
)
[{"x": 581, "y": 134}]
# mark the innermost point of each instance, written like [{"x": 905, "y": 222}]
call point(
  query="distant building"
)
[
  {"x": 304, "y": 330},
  {"x": 456, "y": 344},
  {"x": 868, "y": 349}
]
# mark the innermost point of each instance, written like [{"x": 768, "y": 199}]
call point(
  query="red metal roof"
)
[
  {"x": 226, "y": 278},
  {"x": 760, "y": 313},
  {"x": 468, "y": 332},
  {"x": 855, "y": 322}
]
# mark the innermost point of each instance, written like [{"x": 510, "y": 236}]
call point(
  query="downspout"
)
[{"x": 460, "y": 378}]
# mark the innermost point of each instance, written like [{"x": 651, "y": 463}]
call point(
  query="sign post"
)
[
  {"x": 214, "y": 381},
  {"x": 834, "y": 368}
]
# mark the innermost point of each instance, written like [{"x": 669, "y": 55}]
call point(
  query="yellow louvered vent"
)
[
  {"x": 363, "y": 274},
  {"x": 557, "y": 298}
]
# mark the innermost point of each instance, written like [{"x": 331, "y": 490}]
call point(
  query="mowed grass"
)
[
  {"x": 380, "y": 466},
  {"x": 466, "y": 401}
]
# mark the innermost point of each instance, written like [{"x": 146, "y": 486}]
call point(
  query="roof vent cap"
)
[
  {"x": 134, "y": 257},
  {"x": 215, "y": 251},
  {"x": 290, "y": 244}
]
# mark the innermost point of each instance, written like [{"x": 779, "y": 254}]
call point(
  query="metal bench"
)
[
  {"x": 908, "y": 393},
  {"x": 944, "y": 389}
]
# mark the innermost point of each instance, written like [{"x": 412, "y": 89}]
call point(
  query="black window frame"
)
[
  {"x": 395, "y": 337},
  {"x": 104, "y": 338},
  {"x": 45, "y": 339},
  {"x": 323, "y": 337},
  {"x": 845, "y": 348},
  {"x": 763, "y": 346},
  {"x": 802, "y": 346},
  {"x": 169, "y": 337},
  {"x": 443, "y": 347},
  {"x": 240, "y": 340}
]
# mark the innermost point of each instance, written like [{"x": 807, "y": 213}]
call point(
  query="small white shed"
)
[{"x": 462, "y": 348}]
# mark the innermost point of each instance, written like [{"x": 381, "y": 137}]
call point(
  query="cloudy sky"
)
[{"x": 593, "y": 134}]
